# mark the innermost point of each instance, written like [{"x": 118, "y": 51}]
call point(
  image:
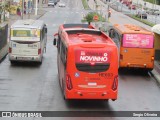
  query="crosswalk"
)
[{"x": 67, "y": 12}]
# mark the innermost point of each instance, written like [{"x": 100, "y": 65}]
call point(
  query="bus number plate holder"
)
[{"x": 92, "y": 83}]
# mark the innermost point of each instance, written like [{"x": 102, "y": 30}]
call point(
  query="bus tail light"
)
[
  {"x": 152, "y": 58},
  {"x": 121, "y": 57},
  {"x": 69, "y": 82},
  {"x": 115, "y": 83},
  {"x": 39, "y": 51},
  {"x": 10, "y": 50}
]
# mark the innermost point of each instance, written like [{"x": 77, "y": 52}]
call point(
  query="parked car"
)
[
  {"x": 157, "y": 13},
  {"x": 51, "y": 3},
  {"x": 132, "y": 7},
  {"x": 142, "y": 13},
  {"x": 61, "y": 4},
  {"x": 151, "y": 11}
]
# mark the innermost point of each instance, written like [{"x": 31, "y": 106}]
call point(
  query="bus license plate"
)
[
  {"x": 92, "y": 83},
  {"x": 23, "y": 58}
]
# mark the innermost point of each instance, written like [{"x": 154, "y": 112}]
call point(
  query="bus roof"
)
[
  {"x": 131, "y": 28},
  {"x": 80, "y": 34},
  {"x": 28, "y": 23},
  {"x": 65, "y": 26}
]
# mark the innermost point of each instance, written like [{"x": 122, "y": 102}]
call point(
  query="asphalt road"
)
[
  {"x": 124, "y": 9},
  {"x": 31, "y": 87}
]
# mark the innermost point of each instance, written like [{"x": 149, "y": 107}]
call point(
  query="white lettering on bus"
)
[{"x": 93, "y": 58}]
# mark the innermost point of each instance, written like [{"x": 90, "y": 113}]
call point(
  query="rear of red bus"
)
[{"x": 92, "y": 72}]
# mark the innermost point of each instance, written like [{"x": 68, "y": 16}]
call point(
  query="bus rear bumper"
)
[
  {"x": 25, "y": 58},
  {"x": 140, "y": 66},
  {"x": 80, "y": 94}
]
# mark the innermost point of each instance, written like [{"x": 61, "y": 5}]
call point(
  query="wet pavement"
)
[{"x": 156, "y": 71}]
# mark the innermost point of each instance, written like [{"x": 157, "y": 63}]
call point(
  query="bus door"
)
[{"x": 45, "y": 36}]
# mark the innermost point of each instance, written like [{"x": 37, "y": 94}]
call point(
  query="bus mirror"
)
[
  {"x": 111, "y": 33},
  {"x": 46, "y": 30},
  {"x": 55, "y": 41}
]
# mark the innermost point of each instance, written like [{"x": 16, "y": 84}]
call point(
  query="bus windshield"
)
[{"x": 138, "y": 41}]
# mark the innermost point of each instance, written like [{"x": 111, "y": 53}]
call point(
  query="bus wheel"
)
[
  {"x": 40, "y": 62},
  {"x": 113, "y": 99},
  {"x": 12, "y": 62},
  {"x": 62, "y": 87},
  {"x": 64, "y": 97}
]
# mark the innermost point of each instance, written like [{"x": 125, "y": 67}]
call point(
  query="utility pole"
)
[
  {"x": 36, "y": 9},
  {"x": 22, "y": 9},
  {"x": 108, "y": 11},
  {"x": 141, "y": 11},
  {"x": 29, "y": 9},
  {"x": 3, "y": 11}
]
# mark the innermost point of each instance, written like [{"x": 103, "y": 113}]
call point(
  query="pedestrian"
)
[
  {"x": 109, "y": 13},
  {"x": 18, "y": 11}
]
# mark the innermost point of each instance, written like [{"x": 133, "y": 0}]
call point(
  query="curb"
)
[{"x": 156, "y": 75}]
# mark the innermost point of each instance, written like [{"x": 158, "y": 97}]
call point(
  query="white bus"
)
[{"x": 28, "y": 39}]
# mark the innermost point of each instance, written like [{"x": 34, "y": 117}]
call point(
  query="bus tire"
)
[
  {"x": 40, "y": 62},
  {"x": 12, "y": 62},
  {"x": 64, "y": 97}
]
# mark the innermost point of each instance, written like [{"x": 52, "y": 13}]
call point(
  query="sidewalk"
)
[
  {"x": 156, "y": 71},
  {"x": 32, "y": 15}
]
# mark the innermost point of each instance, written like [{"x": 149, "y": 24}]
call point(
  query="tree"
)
[{"x": 89, "y": 18}]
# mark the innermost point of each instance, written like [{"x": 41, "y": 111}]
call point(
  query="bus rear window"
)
[
  {"x": 138, "y": 41},
  {"x": 97, "y": 67},
  {"x": 25, "y": 33},
  {"x": 92, "y": 60}
]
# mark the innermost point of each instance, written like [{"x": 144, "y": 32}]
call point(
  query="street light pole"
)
[
  {"x": 22, "y": 9},
  {"x": 108, "y": 12},
  {"x": 155, "y": 8},
  {"x": 3, "y": 10},
  {"x": 141, "y": 11},
  {"x": 36, "y": 7}
]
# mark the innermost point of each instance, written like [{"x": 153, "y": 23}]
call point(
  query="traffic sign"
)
[{"x": 95, "y": 18}]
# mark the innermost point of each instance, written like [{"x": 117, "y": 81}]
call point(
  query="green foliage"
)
[
  {"x": 153, "y": 1},
  {"x": 89, "y": 17},
  {"x": 85, "y": 4}
]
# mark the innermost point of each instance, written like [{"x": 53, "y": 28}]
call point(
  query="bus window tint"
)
[{"x": 92, "y": 61}]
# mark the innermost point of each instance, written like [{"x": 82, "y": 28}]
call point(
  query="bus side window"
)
[
  {"x": 58, "y": 43},
  {"x": 45, "y": 29},
  {"x": 111, "y": 33},
  {"x": 43, "y": 33},
  {"x": 63, "y": 54}
]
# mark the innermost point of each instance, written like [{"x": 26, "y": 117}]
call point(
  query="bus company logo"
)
[
  {"x": 6, "y": 114},
  {"x": 83, "y": 53},
  {"x": 94, "y": 58},
  {"x": 76, "y": 74}
]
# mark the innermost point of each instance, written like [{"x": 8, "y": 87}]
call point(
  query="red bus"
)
[{"x": 87, "y": 62}]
